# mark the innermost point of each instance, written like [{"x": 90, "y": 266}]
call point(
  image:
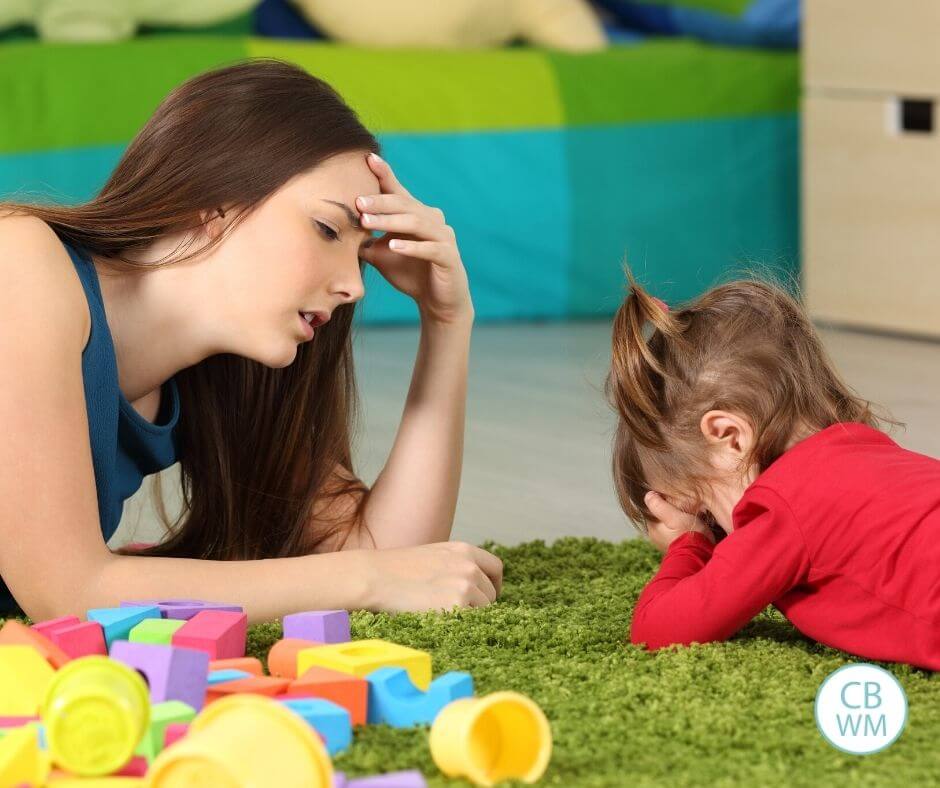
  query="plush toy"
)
[
  {"x": 113, "y": 20},
  {"x": 450, "y": 24}
]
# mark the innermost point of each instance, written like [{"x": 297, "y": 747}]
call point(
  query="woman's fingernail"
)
[
  {"x": 376, "y": 157},
  {"x": 363, "y": 202},
  {"x": 395, "y": 243},
  {"x": 367, "y": 218}
]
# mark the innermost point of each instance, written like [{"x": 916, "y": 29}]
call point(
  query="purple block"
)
[
  {"x": 184, "y": 609},
  {"x": 173, "y": 673},
  {"x": 410, "y": 779},
  {"x": 322, "y": 626},
  {"x": 339, "y": 780}
]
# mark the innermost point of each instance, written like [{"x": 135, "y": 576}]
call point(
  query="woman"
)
[{"x": 199, "y": 309}]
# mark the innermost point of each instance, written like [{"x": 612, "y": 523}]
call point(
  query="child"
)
[{"x": 766, "y": 480}]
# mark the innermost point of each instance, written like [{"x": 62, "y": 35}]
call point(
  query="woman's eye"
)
[{"x": 328, "y": 231}]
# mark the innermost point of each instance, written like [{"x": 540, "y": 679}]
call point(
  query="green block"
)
[
  {"x": 162, "y": 715},
  {"x": 155, "y": 630}
]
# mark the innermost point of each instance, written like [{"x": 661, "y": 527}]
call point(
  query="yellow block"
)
[
  {"x": 24, "y": 676},
  {"x": 21, "y": 760},
  {"x": 361, "y": 657}
]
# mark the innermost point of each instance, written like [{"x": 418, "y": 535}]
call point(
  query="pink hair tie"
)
[{"x": 661, "y": 304}]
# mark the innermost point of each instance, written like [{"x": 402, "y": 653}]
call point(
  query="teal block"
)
[
  {"x": 331, "y": 721},
  {"x": 396, "y": 701},
  {"x": 117, "y": 622},
  {"x": 228, "y": 674}
]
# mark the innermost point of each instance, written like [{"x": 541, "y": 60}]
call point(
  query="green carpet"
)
[{"x": 735, "y": 713}]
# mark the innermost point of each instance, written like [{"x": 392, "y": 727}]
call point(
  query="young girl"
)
[
  {"x": 199, "y": 310},
  {"x": 765, "y": 480}
]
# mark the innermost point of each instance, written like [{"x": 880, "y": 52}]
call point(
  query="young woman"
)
[{"x": 199, "y": 309}]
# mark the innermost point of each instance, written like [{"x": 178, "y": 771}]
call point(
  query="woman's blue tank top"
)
[{"x": 125, "y": 447}]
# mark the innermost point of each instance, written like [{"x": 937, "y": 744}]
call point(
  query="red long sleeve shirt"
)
[{"x": 841, "y": 534}]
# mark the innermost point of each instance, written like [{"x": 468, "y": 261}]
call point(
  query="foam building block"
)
[
  {"x": 15, "y": 632},
  {"x": 135, "y": 767},
  {"x": 79, "y": 640},
  {"x": 250, "y": 665},
  {"x": 161, "y": 716},
  {"x": 350, "y": 692},
  {"x": 394, "y": 700},
  {"x": 184, "y": 609},
  {"x": 22, "y": 762},
  {"x": 172, "y": 673},
  {"x": 174, "y": 732},
  {"x": 24, "y": 676},
  {"x": 329, "y": 720},
  {"x": 282, "y": 658},
  {"x": 118, "y": 622},
  {"x": 362, "y": 657},
  {"x": 223, "y": 676},
  {"x": 409, "y": 779},
  {"x": 252, "y": 685},
  {"x": 320, "y": 626},
  {"x": 220, "y": 633},
  {"x": 155, "y": 630},
  {"x": 55, "y": 623}
]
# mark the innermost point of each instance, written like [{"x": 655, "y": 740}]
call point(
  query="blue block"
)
[
  {"x": 331, "y": 721},
  {"x": 396, "y": 701},
  {"x": 228, "y": 674},
  {"x": 117, "y": 622}
]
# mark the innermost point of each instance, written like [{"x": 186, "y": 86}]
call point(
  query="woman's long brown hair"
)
[
  {"x": 258, "y": 447},
  {"x": 747, "y": 347}
]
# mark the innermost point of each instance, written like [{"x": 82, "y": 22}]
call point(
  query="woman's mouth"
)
[{"x": 312, "y": 321}]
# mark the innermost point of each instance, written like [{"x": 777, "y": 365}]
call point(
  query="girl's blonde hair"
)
[{"x": 746, "y": 347}]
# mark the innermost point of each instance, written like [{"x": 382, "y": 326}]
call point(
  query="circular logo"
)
[{"x": 861, "y": 709}]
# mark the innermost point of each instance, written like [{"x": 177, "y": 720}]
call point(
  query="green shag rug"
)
[{"x": 733, "y": 713}]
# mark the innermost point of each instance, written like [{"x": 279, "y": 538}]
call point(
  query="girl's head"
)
[
  {"x": 711, "y": 393},
  {"x": 241, "y": 189}
]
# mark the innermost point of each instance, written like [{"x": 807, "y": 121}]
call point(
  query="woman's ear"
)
[
  {"x": 729, "y": 431},
  {"x": 214, "y": 222}
]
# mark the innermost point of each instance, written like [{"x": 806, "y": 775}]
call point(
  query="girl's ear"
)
[{"x": 729, "y": 431}]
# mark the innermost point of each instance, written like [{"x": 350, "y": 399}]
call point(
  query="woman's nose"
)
[{"x": 348, "y": 284}]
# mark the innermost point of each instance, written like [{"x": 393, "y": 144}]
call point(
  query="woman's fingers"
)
[
  {"x": 408, "y": 224},
  {"x": 387, "y": 180}
]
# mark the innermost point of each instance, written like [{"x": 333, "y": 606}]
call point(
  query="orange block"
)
[
  {"x": 14, "y": 633},
  {"x": 250, "y": 665},
  {"x": 350, "y": 692},
  {"x": 282, "y": 658},
  {"x": 252, "y": 685}
]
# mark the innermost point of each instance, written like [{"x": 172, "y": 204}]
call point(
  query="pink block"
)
[
  {"x": 16, "y": 722},
  {"x": 45, "y": 627},
  {"x": 174, "y": 732},
  {"x": 221, "y": 634},
  {"x": 80, "y": 640},
  {"x": 135, "y": 767}
]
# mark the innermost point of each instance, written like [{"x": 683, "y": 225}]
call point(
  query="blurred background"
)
[{"x": 561, "y": 138}]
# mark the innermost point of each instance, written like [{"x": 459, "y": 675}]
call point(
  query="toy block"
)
[
  {"x": 172, "y": 673},
  {"x": 184, "y": 609},
  {"x": 221, "y": 634},
  {"x": 329, "y": 720},
  {"x": 118, "y": 622},
  {"x": 158, "y": 631},
  {"x": 14, "y": 632},
  {"x": 81, "y": 639},
  {"x": 22, "y": 762},
  {"x": 24, "y": 676},
  {"x": 350, "y": 692},
  {"x": 174, "y": 732},
  {"x": 162, "y": 715},
  {"x": 223, "y": 676},
  {"x": 44, "y": 627},
  {"x": 395, "y": 701},
  {"x": 320, "y": 626},
  {"x": 361, "y": 657},
  {"x": 409, "y": 779},
  {"x": 282, "y": 658},
  {"x": 251, "y": 685},
  {"x": 250, "y": 665},
  {"x": 135, "y": 767},
  {"x": 16, "y": 722}
]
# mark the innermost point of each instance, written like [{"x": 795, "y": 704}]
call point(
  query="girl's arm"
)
[{"x": 703, "y": 592}]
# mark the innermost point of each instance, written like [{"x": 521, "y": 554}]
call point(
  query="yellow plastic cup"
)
[
  {"x": 244, "y": 741},
  {"x": 500, "y": 736},
  {"x": 95, "y": 712}
]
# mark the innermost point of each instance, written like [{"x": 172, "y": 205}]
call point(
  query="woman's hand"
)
[
  {"x": 430, "y": 577},
  {"x": 418, "y": 254},
  {"x": 671, "y": 522}
]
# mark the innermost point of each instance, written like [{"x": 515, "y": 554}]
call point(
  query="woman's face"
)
[{"x": 297, "y": 252}]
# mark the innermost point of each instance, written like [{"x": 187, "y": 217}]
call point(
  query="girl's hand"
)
[
  {"x": 418, "y": 254},
  {"x": 430, "y": 577},
  {"x": 671, "y": 522}
]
